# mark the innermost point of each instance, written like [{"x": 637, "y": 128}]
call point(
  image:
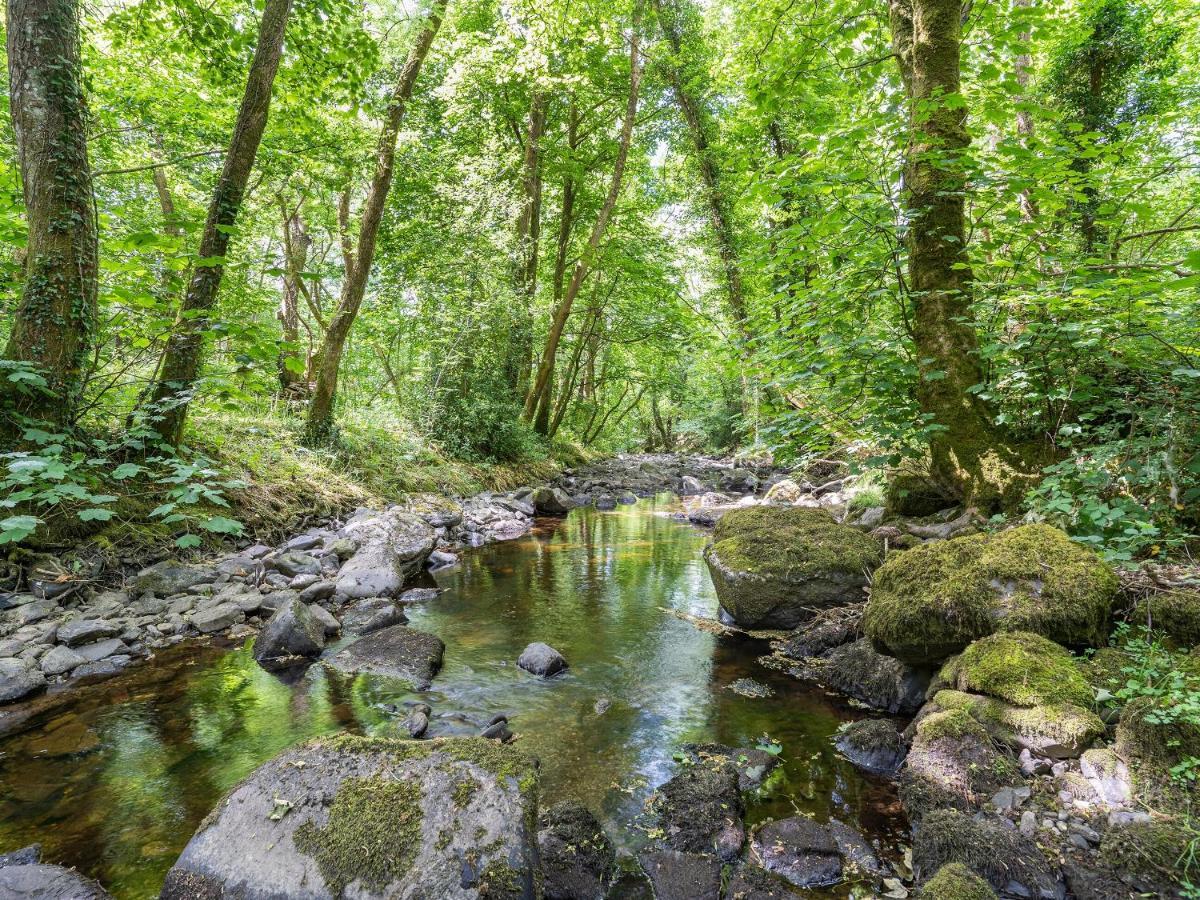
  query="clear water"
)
[{"x": 113, "y": 779}]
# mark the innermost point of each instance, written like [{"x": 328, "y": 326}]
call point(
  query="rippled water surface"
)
[{"x": 115, "y": 779}]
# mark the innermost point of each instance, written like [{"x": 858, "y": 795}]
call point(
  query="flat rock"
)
[
  {"x": 217, "y": 618},
  {"x": 542, "y": 659},
  {"x": 84, "y": 631},
  {"x": 59, "y": 660},
  {"x": 677, "y": 875},
  {"x": 800, "y": 850},
  {"x": 18, "y": 680},
  {"x": 397, "y": 652},
  {"x": 42, "y": 882},
  {"x": 370, "y": 819},
  {"x": 169, "y": 577},
  {"x": 372, "y": 614}
]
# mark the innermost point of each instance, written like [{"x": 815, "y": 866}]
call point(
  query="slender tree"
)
[
  {"x": 540, "y": 389},
  {"x": 53, "y": 324},
  {"x": 359, "y": 258},
  {"x": 182, "y": 358},
  {"x": 529, "y": 229}
]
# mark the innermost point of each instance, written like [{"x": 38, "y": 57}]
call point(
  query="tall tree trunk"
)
[
  {"x": 968, "y": 458},
  {"x": 180, "y": 368},
  {"x": 529, "y": 228},
  {"x": 360, "y": 258},
  {"x": 1029, "y": 208},
  {"x": 583, "y": 266},
  {"x": 687, "y": 89},
  {"x": 296, "y": 243},
  {"x": 53, "y": 324}
]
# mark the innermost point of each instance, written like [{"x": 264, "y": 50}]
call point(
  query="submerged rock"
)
[
  {"x": 576, "y": 855},
  {"x": 799, "y": 850},
  {"x": 292, "y": 634},
  {"x": 774, "y": 567},
  {"x": 397, "y": 652},
  {"x": 930, "y": 602},
  {"x": 874, "y": 745},
  {"x": 542, "y": 659},
  {"x": 392, "y": 547},
  {"x": 370, "y": 818},
  {"x": 676, "y": 875}
]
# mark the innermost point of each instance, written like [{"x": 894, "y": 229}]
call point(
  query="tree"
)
[
  {"x": 52, "y": 328},
  {"x": 360, "y": 257},
  {"x": 529, "y": 228},
  {"x": 180, "y": 366},
  {"x": 539, "y": 390}
]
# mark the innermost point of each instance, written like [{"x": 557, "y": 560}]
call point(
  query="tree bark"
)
[
  {"x": 927, "y": 39},
  {"x": 529, "y": 227},
  {"x": 53, "y": 325},
  {"x": 689, "y": 98},
  {"x": 584, "y": 264},
  {"x": 1029, "y": 208},
  {"x": 296, "y": 244},
  {"x": 182, "y": 357},
  {"x": 360, "y": 258}
]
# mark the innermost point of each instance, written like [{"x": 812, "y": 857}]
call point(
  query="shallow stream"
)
[{"x": 114, "y": 779}]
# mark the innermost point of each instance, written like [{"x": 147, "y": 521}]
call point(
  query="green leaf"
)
[{"x": 95, "y": 514}]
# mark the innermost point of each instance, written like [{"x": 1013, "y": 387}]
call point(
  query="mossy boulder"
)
[
  {"x": 1020, "y": 668},
  {"x": 576, "y": 855},
  {"x": 1175, "y": 612},
  {"x": 1056, "y": 730},
  {"x": 1153, "y": 738},
  {"x": 954, "y": 881},
  {"x": 998, "y": 854},
  {"x": 932, "y": 601},
  {"x": 371, "y": 818},
  {"x": 701, "y": 810},
  {"x": 1153, "y": 857},
  {"x": 775, "y": 567}
]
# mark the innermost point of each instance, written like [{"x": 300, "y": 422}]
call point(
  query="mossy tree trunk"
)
[
  {"x": 53, "y": 324},
  {"x": 361, "y": 257},
  {"x": 969, "y": 457},
  {"x": 182, "y": 358},
  {"x": 529, "y": 229}
]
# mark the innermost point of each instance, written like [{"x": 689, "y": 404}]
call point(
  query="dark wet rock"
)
[
  {"x": 41, "y": 882},
  {"x": 753, "y": 765},
  {"x": 60, "y": 660},
  {"x": 328, "y": 620},
  {"x": 750, "y": 882},
  {"x": 882, "y": 682},
  {"x": 497, "y": 730},
  {"x": 417, "y": 721},
  {"x": 577, "y": 856},
  {"x": 372, "y": 614},
  {"x": 170, "y": 577},
  {"x": 396, "y": 652},
  {"x": 18, "y": 680},
  {"x": 740, "y": 481},
  {"x": 1009, "y": 862},
  {"x": 103, "y": 668},
  {"x": 392, "y": 547},
  {"x": 542, "y": 659},
  {"x": 774, "y": 567},
  {"x": 748, "y": 687},
  {"x": 292, "y": 635},
  {"x": 857, "y": 854},
  {"x": 874, "y": 745},
  {"x": 303, "y": 542},
  {"x": 296, "y": 563},
  {"x": 98, "y": 650},
  {"x": 550, "y": 501},
  {"x": 827, "y": 629},
  {"x": 84, "y": 631},
  {"x": 441, "y": 818},
  {"x": 677, "y": 875},
  {"x": 606, "y": 501},
  {"x": 217, "y": 618},
  {"x": 318, "y": 590},
  {"x": 36, "y": 611},
  {"x": 26, "y": 856},
  {"x": 798, "y": 849},
  {"x": 700, "y": 810}
]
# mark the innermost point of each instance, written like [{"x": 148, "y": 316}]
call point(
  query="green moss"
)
[
  {"x": 792, "y": 542},
  {"x": 954, "y": 881},
  {"x": 1061, "y": 723},
  {"x": 1020, "y": 668},
  {"x": 1152, "y": 739},
  {"x": 950, "y": 723},
  {"x": 464, "y": 791},
  {"x": 1175, "y": 612},
  {"x": 500, "y": 880},
  {"x": 1161, "y": 850},
  {"x": 372, "y": 836},
  {"x": 1103, "y": 668},
  {"x": 996, "y": 853},
  {"x": 933, "y": 600}
]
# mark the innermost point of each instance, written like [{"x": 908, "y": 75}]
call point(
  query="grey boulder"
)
[
  {"x": 17, "y": 680},
  {"x": 800, "y": 850},
  {"x": 397, "y": 652},
  {"x": 370, "y": 818},
  {"x": 169, "y": 577},
  {"x": 41, "y": 882},
  {"x": 542, "y": 659},
  {"x": 392, "y": 547},
  {"x": 292, "y": 635},
  {"x": 84, "y": 631},
  {"x": 551, "y": 501}
]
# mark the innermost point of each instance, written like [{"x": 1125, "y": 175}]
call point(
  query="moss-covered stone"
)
[
  {"x": 911, "y": 492},
  {"x": 953, "y": 763},
  {"x": 1157, "y": 855},
  {"x": 932, "y": 601},
  {"x": 774, "y": 567},
  {"x": 1056, "y": 730},
  {"x": 954, "y": 881},
  {"x": 1020, "y": 668},
  {"x": 998, "y": 854},
  {"x": 1153, "y": 739},
  {"x": 1175, "y": 612}
]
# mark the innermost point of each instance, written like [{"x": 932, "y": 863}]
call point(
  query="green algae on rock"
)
[
  {"x": 774, "y": 567},
  {"x": 371, "y": 817},
  {"x": 930, "y": 602},
  {"x": 1055, "y": 730},
  {"x": 1020, "y": 668},
  {"x": 954, "y": 881}
]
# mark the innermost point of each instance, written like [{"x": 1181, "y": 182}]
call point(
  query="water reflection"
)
[{"x": 115, "y": 780}]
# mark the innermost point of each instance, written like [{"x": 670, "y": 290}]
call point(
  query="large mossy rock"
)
[
  {"x": 998, "y": 854},
  {"x": 1153, "y": 738},
  {"x": 775, "y": 567},
  {"x": 1175, "y": 612},
  {"x": 370, "y": 818},
  {"x": 930, "y": 602},
  {"x": 954, "y": 881},
  {"x": 1151, "y": 858}
]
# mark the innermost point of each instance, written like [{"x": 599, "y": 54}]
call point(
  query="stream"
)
[{"x": 115, "y": 778}]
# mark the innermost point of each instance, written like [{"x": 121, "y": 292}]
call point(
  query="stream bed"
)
[{"x": 115, "y": 778}]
